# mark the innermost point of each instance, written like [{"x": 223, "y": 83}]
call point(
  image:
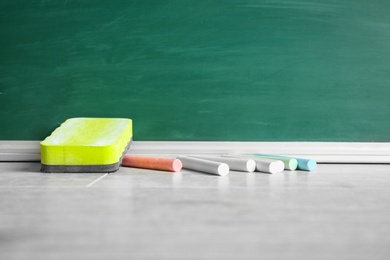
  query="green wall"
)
[{"x": 232, "y": 70}]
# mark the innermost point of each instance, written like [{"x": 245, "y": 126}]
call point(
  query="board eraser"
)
[{"x": 87, "y": 145}]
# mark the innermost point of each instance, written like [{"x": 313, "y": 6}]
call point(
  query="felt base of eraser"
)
[
  {"x": 102, "y": 168},
  {"x": 80, "y": 168},
  {"x": 87, "y": 145}
]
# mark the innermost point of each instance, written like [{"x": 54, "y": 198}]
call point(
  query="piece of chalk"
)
[
  {"x": 289, "y": 163},
  {"x": 264, "y": 164},
  {"x": 154, "y": 163},
  {"x": 206, "y": 166},
  {"x": 302, "y": 164},
  {"x": 235, "y": 164},
  {"x": 269, "y": 165},
  {"x": 86, "y": 145}
]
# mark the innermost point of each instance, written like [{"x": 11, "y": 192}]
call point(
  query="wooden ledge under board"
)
[{"x": 322, "y": 152}]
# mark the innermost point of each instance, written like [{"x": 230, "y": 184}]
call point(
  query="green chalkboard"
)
[{"x": 220, "y": 70}]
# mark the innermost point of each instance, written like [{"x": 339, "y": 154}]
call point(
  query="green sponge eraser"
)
[{"x": 87, "y": 145}]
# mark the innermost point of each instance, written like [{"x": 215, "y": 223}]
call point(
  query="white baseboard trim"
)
[{"x": 323, "y": 152}]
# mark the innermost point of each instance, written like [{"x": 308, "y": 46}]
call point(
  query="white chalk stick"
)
[
  {"x": 235, "y": 164},
  {"x": 269, "y": 165},
  {"x": 264, "y": 164},
  {"x": 202, "y": 165}
]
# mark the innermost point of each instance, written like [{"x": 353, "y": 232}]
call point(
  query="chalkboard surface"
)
[{"x": 223, "y": 70}]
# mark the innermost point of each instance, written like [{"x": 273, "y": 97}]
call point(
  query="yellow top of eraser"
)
[{"x": 87, "y": 141}]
